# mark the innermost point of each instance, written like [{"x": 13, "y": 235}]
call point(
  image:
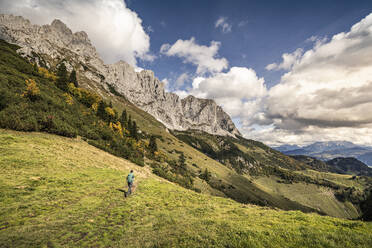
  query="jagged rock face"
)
[{"x": 56, "y": 42}]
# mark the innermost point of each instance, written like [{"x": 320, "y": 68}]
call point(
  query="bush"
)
[{"x": 32, "y": 91}]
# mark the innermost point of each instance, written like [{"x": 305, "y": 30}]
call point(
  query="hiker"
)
[{"x": 130, "y": 179}]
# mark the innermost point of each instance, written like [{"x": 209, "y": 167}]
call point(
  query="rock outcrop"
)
[{"x": 50, "y": 44}]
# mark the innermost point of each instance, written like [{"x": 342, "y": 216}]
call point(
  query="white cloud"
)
[
  {"x": 239, "y": 91},
  {"x": 289, "y": 59},
  {"x": 327, "y": 93},
  {"x": 181, "y": 80},
  {"x": 181, "y": 93},
  {"x": 165, "y": 82},
  {"x": 223, "y": 24},
  {"x": 114, "y": 29},
  {"x": 204, "y": 57}
]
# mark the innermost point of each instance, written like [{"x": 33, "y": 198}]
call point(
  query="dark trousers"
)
[{"x": 129, "y": 188}]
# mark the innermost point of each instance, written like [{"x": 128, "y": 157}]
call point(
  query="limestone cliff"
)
[{"x": 48, "y": 45}]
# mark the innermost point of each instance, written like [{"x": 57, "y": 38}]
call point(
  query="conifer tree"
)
[
  {"x": 134, "y": 130},
  {"x": 124, "y": 119},
  {"x": 206, "y": 175},
  {"x": 101, "y": 112},
  {"x": 152, "y": 145},
  {"x": 73, "y": 79},
  {"x": 182, "y": 162},
  {"x": 62, "y": 81}
]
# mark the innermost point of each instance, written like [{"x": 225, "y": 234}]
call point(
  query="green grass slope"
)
[
  {"x": 62, "y": 192},
  {"x": 276, "y": 175}
]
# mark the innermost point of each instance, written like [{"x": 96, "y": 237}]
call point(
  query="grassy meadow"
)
[{"x": 62, "y": 192}]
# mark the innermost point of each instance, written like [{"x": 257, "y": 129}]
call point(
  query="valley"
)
[{"x": 72, "y": 127}]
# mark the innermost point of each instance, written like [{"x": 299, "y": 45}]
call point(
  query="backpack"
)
[{"x": 130, "y": 178}]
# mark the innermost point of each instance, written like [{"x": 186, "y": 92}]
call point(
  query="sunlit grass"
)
[{"x": 60, "y": 192}]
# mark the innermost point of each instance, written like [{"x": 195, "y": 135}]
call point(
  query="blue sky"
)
[
  {"x": 287, "y": 72},
  {"x": 261, "y": 30}
]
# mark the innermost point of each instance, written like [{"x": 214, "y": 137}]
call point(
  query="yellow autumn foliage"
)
[
  {"x": 47, "y": 74},
  {"x": 32, "y": 90},
  {"x": 68, "y": 98},
  {"x": 110, "y": 111},
  {"x": 87, "y": 97},
  {"x": 116, "y": 127}
]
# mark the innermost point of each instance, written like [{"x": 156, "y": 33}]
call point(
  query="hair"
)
[{"x": 131, "y": 170}]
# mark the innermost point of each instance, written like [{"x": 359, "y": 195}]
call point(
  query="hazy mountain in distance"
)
[{"x": 330, "y": 150}]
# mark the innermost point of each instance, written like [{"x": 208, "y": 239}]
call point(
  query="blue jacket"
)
[{"x": 130, "y": 177}]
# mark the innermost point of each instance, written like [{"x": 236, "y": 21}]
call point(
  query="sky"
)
[{"x": 287, "y": 72}]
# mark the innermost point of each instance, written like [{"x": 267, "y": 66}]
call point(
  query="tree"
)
[
  {"x": 152, "y": 145},
  {"x": 32, "y": 91},
  {"x": 134, "y": 131},
  {"x": 73, "y": 79},
  {"x": 206, "y": 175},
  {"x": 124, "y": 119},
  {"x": 62, "y": 81},
  {"x": 182, "y": 162},
  {"x": 101, "y": 112}
]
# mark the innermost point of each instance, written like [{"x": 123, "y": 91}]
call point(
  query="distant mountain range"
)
[{"x": 330, "y": 150}]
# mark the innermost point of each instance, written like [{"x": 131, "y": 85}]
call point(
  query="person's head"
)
[{"x": 131, "y": 171}]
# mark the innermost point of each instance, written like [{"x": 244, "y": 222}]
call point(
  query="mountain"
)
[
  {"x": 315, "y": 164},
  {"x": 331, "y": 149},
  {"x": 366, "y": 158},
  {"x": 284, "y": 148},
  {"x": 246, "y": 171},
  {"x": 48, "y": 45},
  {"x": 350, "y": 166}
]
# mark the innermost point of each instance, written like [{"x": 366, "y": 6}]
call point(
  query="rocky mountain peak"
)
[
  {"x": 56, "y": 42},
  {"x": 61, "y": 27}
]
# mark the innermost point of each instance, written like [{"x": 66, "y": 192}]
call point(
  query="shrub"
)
[
  {"x": 47, "y": 74},
  {"x": 32, "y": 91}
]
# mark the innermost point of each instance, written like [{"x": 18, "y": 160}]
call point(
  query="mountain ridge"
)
[
  {"x": 330, "y": 150},
  {"x": 48, "y": 45}
]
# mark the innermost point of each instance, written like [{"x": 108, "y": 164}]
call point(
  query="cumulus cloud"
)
[
  {"x": 223, "y": 25},
  {"x": 289, "y": 59},
  {"x": 239, "y": 91},
  {"x": 327, "y": 93},
  {"x": 114, "y": 29},
  {"x": 181, "y": 80},
  {"x": 204, "y": 57}
]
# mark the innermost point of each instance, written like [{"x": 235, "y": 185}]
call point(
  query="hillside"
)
[
  {"x": 340, "y": 165},
  {"x": 350, "y": 166},
  {"x": 277, "y": 175},
  {"x": 65, "y": 193},
  {"x": 235, "y": 170}
]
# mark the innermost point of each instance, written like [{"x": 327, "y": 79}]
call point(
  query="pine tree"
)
[
  {"x": 101, "y": 112},
  {"x": 73, "y": 79},
  {"x": 62, "y": 81},
  {"x": 206, "y": 175},
  {"x": 182, "y": 162},
  {"x": 152, "y": 145},
  {"x": 134, "y": 130},
  {"x": 124, "y": 119}
]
